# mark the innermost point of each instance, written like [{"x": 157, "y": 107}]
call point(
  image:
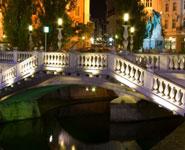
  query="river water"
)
[{"x": 89, "y": 132}]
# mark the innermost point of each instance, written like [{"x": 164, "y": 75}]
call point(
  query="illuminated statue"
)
[
  {"x": 148, "y": 29},
  {"x": 154, "y": 38},
  {"x": 156, "y": 21}
]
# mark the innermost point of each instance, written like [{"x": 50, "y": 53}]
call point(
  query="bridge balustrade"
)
[
  {"x": 162, "y": 91},
  {"x": 92, "y": 60},
  {"x": 6, "y": 56},
  {"x": 164, "y": 62}
]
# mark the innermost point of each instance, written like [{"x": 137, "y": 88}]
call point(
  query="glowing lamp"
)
[
  {"x": 30, "y": 28},
  {"x": 132, "y": 29},
  {"x": 46, "y": 29},
  {"x": 60, "y": 21},
  {"x": 126, "y": 17}
]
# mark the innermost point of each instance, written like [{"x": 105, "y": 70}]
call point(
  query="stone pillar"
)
[
  {"x": 15, "y": 54},
  {"x": 73, "y": 59},
  {"x": 40, "y": 58},
  {"x": 164, "y": 62},
  {"x": 111, "y": 61},
  {"x": 148, "y": 80}
]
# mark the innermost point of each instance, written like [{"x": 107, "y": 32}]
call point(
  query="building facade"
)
[
  {"x": 79, "y": 15},
  {"x": 173, "y": 21}
]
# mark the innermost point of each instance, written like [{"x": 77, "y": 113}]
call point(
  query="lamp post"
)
[
  {"x": 30, "y": 36},
  {"x": 125, "y": 34},
  {"x": 132, "y": 38},
  {"x": 46, "y": 30},
  {"x": 59, "y": 33}
]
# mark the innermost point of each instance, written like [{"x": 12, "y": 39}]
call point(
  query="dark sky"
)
[{"x": 98, "y": 9}]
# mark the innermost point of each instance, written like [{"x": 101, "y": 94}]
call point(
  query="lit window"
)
[
  {"x": 173, "y": 23},
  {"x": 174, "y": 6},
  {"x": 166, "y": 24},
  {"x": 166, "y": 7}
]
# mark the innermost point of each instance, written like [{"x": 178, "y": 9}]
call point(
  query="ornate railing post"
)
[
  {"x": 148, "y": 80},
  {"x": 40, "y": 58},
  {"x": 111, "y": 61},
  {"x": 164, "y": 62},
  {"x": 73, "y": 58},
  {"x": 15, "y": 54}
]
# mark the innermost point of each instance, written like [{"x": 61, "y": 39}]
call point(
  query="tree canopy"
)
[
  {"x": 18, "y": 15},
  {"x": 137, "y": 18},
  {"x": 48, "y": 13}
]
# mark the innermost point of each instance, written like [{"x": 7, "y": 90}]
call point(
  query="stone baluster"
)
[
  {"x": 171, "y": 63},
  {"x": 172, "y": 94},
  {"x": 176, "y": 63},
  {"x": 148, "y": 62},
  {"x": 118, "y": 66},
  {"x": 166, "y": 91},
  {"x": 141, "y": 78},
  {"x": 127, "y": 70},
  {"x": 123, "y": 68},
  {"x": 132, "y": 73},
  {"x": 178, "y": 97},
  {"x": 182, "y": 64},
  {"x": 155, "y": 85},
  {"x": 161, "y": 88},
  {"x": 137, "y": 75}
]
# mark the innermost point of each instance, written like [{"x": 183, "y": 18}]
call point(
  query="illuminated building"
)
[
  {"x": 79, "y": 15},
  {"x": 173, "y": 21}
]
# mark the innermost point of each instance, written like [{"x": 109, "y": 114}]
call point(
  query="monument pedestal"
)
[
  {"x": 153, "y": 44},
  {"x": 147, "y": 44},
  {"x": 157, "y": 44}
]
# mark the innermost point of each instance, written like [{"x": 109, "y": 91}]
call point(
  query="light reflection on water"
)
[{"x": 83, "y": 133}]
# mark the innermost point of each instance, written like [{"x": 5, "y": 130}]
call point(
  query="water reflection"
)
[{"x": 83, "y": 133}]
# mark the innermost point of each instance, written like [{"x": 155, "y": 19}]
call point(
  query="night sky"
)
[{"x": 98, "y": 9}]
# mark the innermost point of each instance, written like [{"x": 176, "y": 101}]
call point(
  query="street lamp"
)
[
  {"x": 30, "y": 28},
  {"x": 46, "y": 30},
  {"x": 132, "y": 29},
  {"x": 60, "y": 22},
  {"x": 125, "y": 34}
]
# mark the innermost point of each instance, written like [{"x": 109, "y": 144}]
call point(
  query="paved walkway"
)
[{"x": 174, "y": 141}]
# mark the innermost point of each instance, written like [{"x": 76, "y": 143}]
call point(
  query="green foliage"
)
[
  {"x": 137, "y": 18},
  {"x": 17, "y": 17},
  {"x": 85, "y": 29},
  {"x": 48, "y": 15}
]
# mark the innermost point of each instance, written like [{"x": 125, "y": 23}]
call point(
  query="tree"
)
[
  {"x": 16, "y": 18},
  {"x": 48, "y": 13},
  {"x": 137, "y": 18}
]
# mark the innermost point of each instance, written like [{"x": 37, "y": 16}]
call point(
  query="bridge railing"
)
[
  {"x": 18, "y": 72},
  {"x": 151, "y": 84},
  {"x": 91, "y": 60},
  {"x": 15, "y": 56},
  {"x": 159, "y": 89},
  {"x": 6, "y": 56},
  {"x": 164, "y": 62}
]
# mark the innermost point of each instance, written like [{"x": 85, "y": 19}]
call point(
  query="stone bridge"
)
[{"x": 152, "y": 75}]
